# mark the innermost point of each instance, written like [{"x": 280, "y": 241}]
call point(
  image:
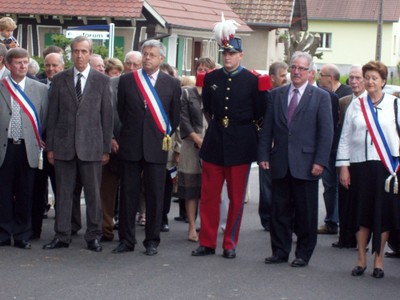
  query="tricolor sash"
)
[
  {"x": 155, "y": 106},
  {"x": 380, "y": 143},
  {"x": 27, "y": 106}
]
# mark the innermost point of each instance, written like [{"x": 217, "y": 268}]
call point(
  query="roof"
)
[
  {"x": 88, "y": 8},
  {"x": 190, "y": 14},
  {"x": 264, "y": 12},
  {"x": 355, "y": 10}
]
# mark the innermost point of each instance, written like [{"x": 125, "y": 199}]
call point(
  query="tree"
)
[{"x": 295, "y": 40}]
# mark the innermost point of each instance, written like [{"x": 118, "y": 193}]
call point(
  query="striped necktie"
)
[{"x": 78, "y": 88}]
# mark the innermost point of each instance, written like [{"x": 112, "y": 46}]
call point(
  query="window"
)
[{"x": 326, "y": 40}]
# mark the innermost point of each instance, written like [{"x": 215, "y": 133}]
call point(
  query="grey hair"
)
[
  {"x": 131, "y": 54},
  {"x": 34, "y": 64},
  {"x": 299, "y": 54},
  {"x": 155, "y": 43},
  {"x": 82, "y": 38}
]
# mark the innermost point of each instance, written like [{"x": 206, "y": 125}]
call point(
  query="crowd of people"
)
[{"x": 130, "y": 134}]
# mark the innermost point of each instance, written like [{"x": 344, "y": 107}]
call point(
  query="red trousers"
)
[{"x": 213, "y": 177}]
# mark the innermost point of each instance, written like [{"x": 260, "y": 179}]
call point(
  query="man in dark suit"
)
[
  {"x": 79, "y": 134},
  {"x": 141, "y": 142},
  {"x": 295, "y": 143},
  {"x": 19, "y": 156},
  {"x": 53, "y": 63}
]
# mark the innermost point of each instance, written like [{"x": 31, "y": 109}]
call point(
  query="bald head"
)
[
  {"x": 53, "y": 63},
  {"x": 132, "y": 61}
]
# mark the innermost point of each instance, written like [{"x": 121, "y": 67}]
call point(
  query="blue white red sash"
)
[
  {"x": 380, "y": 143},
  {"x": 155, "y": 106}
]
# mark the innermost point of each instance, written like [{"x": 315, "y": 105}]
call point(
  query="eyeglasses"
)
[
  {"x": 300, "y": 69},
  {"x": 323, "y": 75}
]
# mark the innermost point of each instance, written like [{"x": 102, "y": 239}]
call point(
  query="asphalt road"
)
[{"x": 76, "y": 273}]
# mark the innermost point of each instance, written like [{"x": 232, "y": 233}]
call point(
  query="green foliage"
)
[
  {"x": 40, "y": 61},
  {"x": 103, "y": 51}
]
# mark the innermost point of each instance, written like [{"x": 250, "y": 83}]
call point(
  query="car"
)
[{"x": 392, "y": 90}]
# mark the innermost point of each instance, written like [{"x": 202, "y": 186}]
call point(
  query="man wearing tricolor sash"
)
[
  {"x": 149, "y": 110},
  {"x": 23, "y": 109}
]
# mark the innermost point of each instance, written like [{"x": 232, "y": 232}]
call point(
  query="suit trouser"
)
[
  {"x": 330, "y": 182},
  {"x": 154, "y": 183},
  {"x": 40, "y": 197},
  {"x": 167, "y": 198},
  {"x": 264, "y": 206},
  {"x": 108, "y": 193},
  {"x": 16, "y": 186},
  {"x": 66, "y": 178},
  {"x": 296, "y": 199},
  {"x": 213, "y": 177}
]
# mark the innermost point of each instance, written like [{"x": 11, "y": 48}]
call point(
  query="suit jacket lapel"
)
[
  {"x": 283, "y": 99},
  {"x": 304, "y": 100}
]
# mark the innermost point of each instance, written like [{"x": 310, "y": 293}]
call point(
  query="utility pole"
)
[{"x": 378, "y": 50}]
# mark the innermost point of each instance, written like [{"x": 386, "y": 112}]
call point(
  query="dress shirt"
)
[
  {"x": 84, "y": 77},
  {"x": 300, "y": 92}
]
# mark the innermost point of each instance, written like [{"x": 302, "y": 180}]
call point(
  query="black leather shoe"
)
[
  {"x": 229, "y": 253},
  {"x": 203, "y": 251},
  {"x": 151, "y": 250},
  {"x": 122, "y": 247},
  {"x": 390, "y": 254},
  {"x": 298, "y": 263},
  {"x": 22, "y": 244},
  {"x": 55, "y": 244},
  {"x": 378, "y": 273},
  {"x": 275, "y": 260},
  {"x": 164, "y": 228},
  {"x": 94, "y": 245},
  {"x": 5, "y": 243},
  {"x": 358, "y": 271}
]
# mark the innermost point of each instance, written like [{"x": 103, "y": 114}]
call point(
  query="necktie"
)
[
  {"x": 292, "y": 106},
  {"x": 16, "y": 122},
  {"x": 78, "y": 88}
]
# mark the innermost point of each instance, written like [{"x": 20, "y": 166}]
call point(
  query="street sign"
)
[{"x": 91, "y": 34}]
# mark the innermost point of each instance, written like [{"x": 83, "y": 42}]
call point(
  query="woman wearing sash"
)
[
  {"x": 369, "y": 144},
  {"x": 192, "y": 128}
]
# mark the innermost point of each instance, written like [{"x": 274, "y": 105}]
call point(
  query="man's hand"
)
[
  {"x": 105, "y": 159},
  {"x": 264, "y": 165},
  {"x": 50, "y": 157},
  {"x": 114, "y": 146},
  {"x": 317, "y": 170}
]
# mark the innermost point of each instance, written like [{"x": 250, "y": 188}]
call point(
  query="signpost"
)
[{"x": 95, "y": 32}]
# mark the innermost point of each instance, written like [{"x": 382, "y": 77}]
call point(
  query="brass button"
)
[
  {"x": 226, "y": 107},
  {"x": 228, "y": 88},
  {"x": 229, "y": 79}
]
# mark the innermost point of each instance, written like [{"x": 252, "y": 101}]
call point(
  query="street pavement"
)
[{"x": 77, "y": 273}]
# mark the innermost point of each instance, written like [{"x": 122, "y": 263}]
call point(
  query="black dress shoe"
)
[
  {"x": 203, "y": 251},
  {"x": 122, "y": 247},
  {"x": 358, "y": 271},
  {"x": 22, "y": 244},
  {"x": 392, "y": 254},
  {"x": 378, "y": 273},
  {"x": 275, "y": 260},
  {"x": 94, "y": 245},
  {"x": 229, "y": 253},
  {"x": 55, "y": 244},
  {"x": 298, "y": 263},
  {"x": 151, "y": 250},
  {"x": 164, "y": 228},
  {"x": 5, "y": 243}
]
